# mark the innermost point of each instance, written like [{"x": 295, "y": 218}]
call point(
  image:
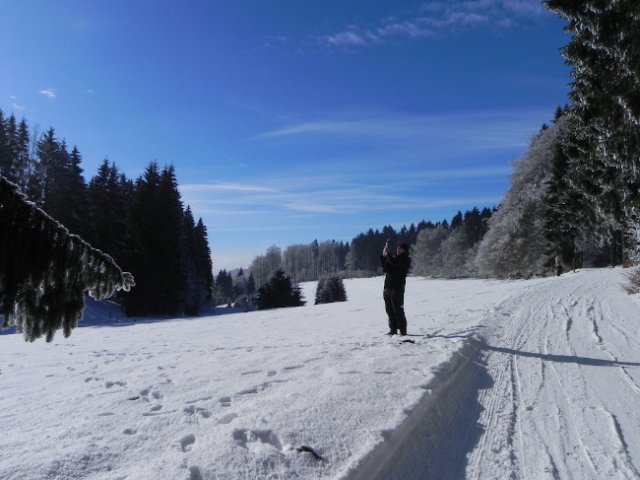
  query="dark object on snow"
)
[
  {"x": 305, "y": 448},
  {"x": 396, "y": 269},
  {"x": 407, "y": 340},
  {"x": 45, "y": 271}
]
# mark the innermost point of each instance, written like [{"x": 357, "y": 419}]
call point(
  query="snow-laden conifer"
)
[
  {"x": 515, "y": 245},
  {"x": 330, "y": 289},
  {"x": 45, "y": 270}
]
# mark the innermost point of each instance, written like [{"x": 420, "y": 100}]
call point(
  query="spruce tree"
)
[
  {"x": 279, "y": 292},
  {"x": 45, "y": 271},
  {"x": 58, "y": 185},
  {"x": 22, "y": 160},
  {"x": 224, "y": 287},
  {"x": 6, "y": 159},
  {"x": 14, "y": 150},
  {"x": 251, "y": 286},
  {"x": 330, "y": 289},
  {"x": 197, "y": 261},
  {"x": 604, "y": 53},
  {"x": 193, "y": 300},
  {"x": 109, "y": 211},
  {"x": 203, "y": 260},
  {"x": 147, "y": 258},
  {"x": 163, "y": 243}
]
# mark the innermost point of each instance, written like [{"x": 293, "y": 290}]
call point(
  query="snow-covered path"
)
[{"x": 564, "y": 361}]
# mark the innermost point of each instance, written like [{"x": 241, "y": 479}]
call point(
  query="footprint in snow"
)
[
  {"x": 293, "y": 367},
  {"x": 250, "y": 438},
  {"x": 187, "y": 442},
  {"x": 227, "y": 419},
  {"x": 194, "y": 473},
  {"x": 313, "y": 359},
  {"x": 116, "y": 383},
  {"x": 145, "y": 393},
  {"x": 201, "y": 399},
  {"x": 192, "y": 410}
]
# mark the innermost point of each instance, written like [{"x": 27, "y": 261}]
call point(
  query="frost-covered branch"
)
[{"x": 45, "y": 270}]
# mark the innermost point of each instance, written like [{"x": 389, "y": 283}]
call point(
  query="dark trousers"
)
[{"x": 394, "y": 305}]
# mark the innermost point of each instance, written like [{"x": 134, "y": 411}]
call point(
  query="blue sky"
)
[{"x": 290, "y": 120}]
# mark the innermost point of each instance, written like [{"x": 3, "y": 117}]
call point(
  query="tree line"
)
[
  {"x": 142, "y": 224},
  {"x": 441, "y": 249},
  {"x": 601, "y": 145},
  {"x": 576, "y": 192}
]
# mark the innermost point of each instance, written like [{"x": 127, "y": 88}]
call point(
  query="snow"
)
[{"x": 505, "y": 379}]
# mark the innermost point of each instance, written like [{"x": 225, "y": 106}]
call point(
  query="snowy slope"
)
[{"x": 551, "y": 393}]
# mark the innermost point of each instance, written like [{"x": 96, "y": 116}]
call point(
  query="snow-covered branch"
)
[{"x": 45, "y": 270}]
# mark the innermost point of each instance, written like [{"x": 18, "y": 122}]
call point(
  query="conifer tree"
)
[
  {"x": 161, "y": 238},
  {"x": 330, "y": 289},
  {"x": 224, "y": 286},
  {"x": 57, "y": 184},
  {"x": 279, "y": 292},
  {"x": 109, "y": 211},
  {"x": 197, "y": 264},
  {"x": 604, "y": 53},
  {"x": 14, "y": 150},
  {"x": 22, "y": 160},
  {"x": 203, "y": 259},
  {"x": 251, "y": 286}
]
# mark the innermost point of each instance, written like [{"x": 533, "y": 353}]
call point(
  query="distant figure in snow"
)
[
  {"x": 558, "y": 262},
  {"x": 396, "y": 267}
]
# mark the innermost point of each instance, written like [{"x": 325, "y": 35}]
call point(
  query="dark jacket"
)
[{"x": 396, "y": 269}]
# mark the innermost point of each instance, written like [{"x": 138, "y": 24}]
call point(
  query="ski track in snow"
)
[
  {"x": 576, "y": 356},
  {"x": 531, "y": 380}
]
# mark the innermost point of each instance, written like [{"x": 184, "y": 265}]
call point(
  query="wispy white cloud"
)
[
  {"x": 50, "y": 93},
  {"x": 459, "y": 132},
  {"x": 15, "y": 105},
  {"x": 434, "y": 18},
  {"x": 336, "y": 196},
  {"x": 233, "y": 187},
  {"x": 349, "y": 38},
  {"x": 468, "y": 172}
]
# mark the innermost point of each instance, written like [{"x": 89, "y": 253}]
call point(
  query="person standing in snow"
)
[
  {"x": 396, "y": 267},
  {"x": 558, "y": 262}
]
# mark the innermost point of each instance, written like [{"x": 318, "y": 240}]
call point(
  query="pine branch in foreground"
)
[{"x": 45, "y": 270}]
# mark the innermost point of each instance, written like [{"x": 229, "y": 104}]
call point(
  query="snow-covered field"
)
[{"x": 524, "y": 380}]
